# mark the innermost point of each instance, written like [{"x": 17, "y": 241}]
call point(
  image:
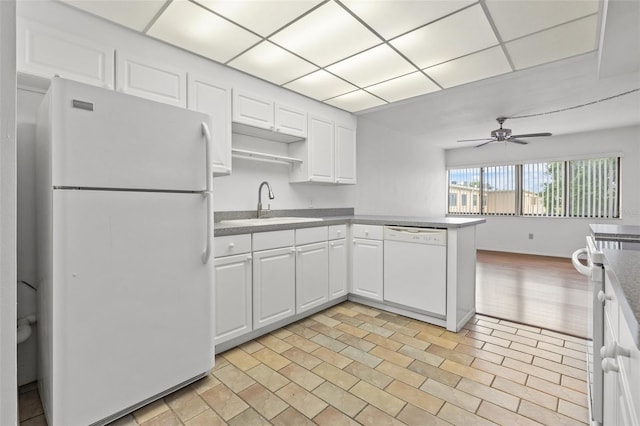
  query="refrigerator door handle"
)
[{"x": 208, "y": 193}]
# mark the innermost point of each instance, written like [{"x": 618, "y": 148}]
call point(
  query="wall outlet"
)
[{"x": 531, "y": 236}]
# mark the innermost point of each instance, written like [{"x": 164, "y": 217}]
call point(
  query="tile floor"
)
[{"x": 352, "y": 364}]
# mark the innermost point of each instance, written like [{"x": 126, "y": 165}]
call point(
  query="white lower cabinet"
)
[
  {"x": 312, "y": 275},
  {"x": 338, "y": 262},
  {"x": 367, "y": 258},
  {"x": 232, "y": 296},
  {"x": 274, "y": 285}
]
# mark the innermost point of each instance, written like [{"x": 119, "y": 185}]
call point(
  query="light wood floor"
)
[{"x": 542, "y": 291}]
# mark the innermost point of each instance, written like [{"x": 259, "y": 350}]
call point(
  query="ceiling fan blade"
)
[
  {"x": 476, "y": 140},
  {"x": 483, "y": 144},
  {"x": 531, "y": 135},
  {"x": 517, "y": 141}
]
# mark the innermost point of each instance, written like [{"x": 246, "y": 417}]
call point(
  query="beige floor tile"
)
[
  {"x": 576, "y": 346},
  {"x": 150, "y": 411},
  {"x": 525, "y": 393},
  {"x": 424, "y": 327},
  {"x": 461, "y": 338},
  {"x": 378, "y": 398},
  {"x": 361, "y": 356},
  {"x": 328, "y": 342},
  {"x": 467, "y": 371},
  {"x": 539, "y": 352},
  {"x": 385, "y": 342},
  {"x": 503, "y": 416},
  {"x": 224, "y": 402},
  {"x": 353, "y": 330},
  {"x": 393, "y": 318},
  {"x": 234, "y": 378},
  {"x": 302, "y": 342},
  {"x": 271, "y": 358},
  {"x": 240, "y": 359},
  {"x": 421, "y": 355},
  {"x": 418, "y": 344},
  {"x": 371, "y": 416},
  {"x": 281, "y": 333},
  {"x": 302, "y": 400},
  {"x": 560, "y": 391},
  {"x": 391, "y": 356},
  {"x": 268, "y": 377},
  {"x": 301, "y": 376},
  {"x": 345, "y": 319},
  {"x": 508, "y": 353},
  {"x": 263, "y": 401},
  {"x": 488, "y": 338},
  {"x": 127, "y": 420},
  {"x": 428, "y": 370},
  {"x": 564, "y": 337},
  {"x": 575, "y": 384},
  {"x": 561, "y": 350},
  {"x": 332, "y": 357},
  {"x": 186, "y": 403},
  {"x": 540, "y": 337},
  {"x": 251, "y": 346},
  {"x": 249, "y": 417},
  {"x": 29, "y": 405},
  {"x": 479, "y": 353},
  {"x": 544, "y": 415},
  {"x": 220, "y": 362},
  {"x": 341, "y": 309},
  {"x": 333, "y": 417},
  {"x": 368, "y": 374},
  {"x": 500, "y": 370},
  {"x": 326, "y": 330},
  {"x": 436, "y": 340},
  {"x": 489, "y": 394},
  {"x": 420, "y": 399},
  {"x": 580, "y": 364},
  {"x": 451, "y": 354},
  {"x": 356, "y": 342},
  {"x": 452, "y": 395},
  {"x": 299, "y": 329},
  {"x": 401, "y": 329},
  {"x": 480, "y": 317},
  {"x": 291, "y": 417},
  {"x": 274, "y": 343},
  {"x": 520, "y": 326},
  {"x": 403, "y": 374},
  {"x": 576, "y": 373},
  {"x": 373, "y": 320},
  {"x": 575, "y": 411},
  {"x": 335, "y": 375},
  {"x": 323, "y": 319},
  {"x": 376, "y": 329},
  {"x": 205, "y": 383},
  {"x": 168, "y": 418},
  {"x": 515, "y": 338},
  {"x": 496, "y": 326},
  {"x": 339, "y": 398},
  {"x": 362, "y": 309},
  {"x": 206, "y": 418},
  {"x": 534, "y": 370},
  {"x": 301, "y": 357},
  {"x": 414, "y": 416},
  {"x": 477, "y": 328},
  {"x": 459, "y": 416}
]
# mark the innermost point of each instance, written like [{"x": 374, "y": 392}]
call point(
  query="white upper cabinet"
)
[
  {"x": 252, "y": 110},
  {"x": 159, "y": 82},
  {"x": 289, "y": 120},
  {"x": 345, "y": 154},
  {"x": 46, "y": 52},
  {"x": 213, "y": 98}
]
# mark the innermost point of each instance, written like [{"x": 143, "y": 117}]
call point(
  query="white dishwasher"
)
[{"x": 415, "y": 268}]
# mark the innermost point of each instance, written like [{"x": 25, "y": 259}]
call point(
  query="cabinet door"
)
[
  {"x": 320, "y": 150},
  {"x": 273, "y": 285},
  {"x": 610, "y": 382},
  {"x": 158, "y": 82},
  {"x": 214, "y": 98},
  {"x": 312, "y": 276},
  {"x": 232, "y": 296},
  {"x": 345, "y": 163},
  {"x": 367, "y": 268},
  {"x": 290, "y": 120},
  {"x": 338, "y": 270},
  {"x": 252, "y": 110},
  {"x": 46, "y": 52}
]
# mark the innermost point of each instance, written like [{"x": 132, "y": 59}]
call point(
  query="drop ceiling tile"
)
[
  {"x": 372, "y": 66},
  {"x": 320, "y": 85},
  {"x": 404, "y": 87},
  {"x": 476, "y": 66},
  {"x": 264, "y": 16},
  {"x": 556, "y": 43},
  {"x": 135, "y": 15},
  {"x": 326, "y": 35},
  {"x": 462, "y": 33},
  {"x": 355, "y": 101},
  {"x": 517, "y": 18},
  {"x": 193, "y": 28},
  {"x": 393, "y": 18},
  {"x": 272, "y": 63}
]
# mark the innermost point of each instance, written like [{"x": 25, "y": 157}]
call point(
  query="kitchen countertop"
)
[
  {"x": 222, "y": 229},
  {"x": 623, "y": 267},
  {"x": 617, "y": 232}
]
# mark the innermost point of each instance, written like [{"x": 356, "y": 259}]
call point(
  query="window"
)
[
  {"x": 463, "y": 200},
  {"x": 575, "y": 188}
]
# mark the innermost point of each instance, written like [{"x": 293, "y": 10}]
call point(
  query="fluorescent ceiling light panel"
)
[
  {"x": 372, "y": 66},
  {"x": 518, "y": 18},
  {"x": 355, "y": 101},
  {"x": 404, "y": 87},
  {"x": 272, "y": 63},
  {"x": 454, "y": 36},
  {"x": 320, "y": 85},
  {"x": 393, "y": 18},
  {"x": 263, "y": 16},
  {"x": 326, "y": 35},
  {"x": 560, "y": 42},
  {"x": 132, "y": 14},
  {"x": 476, "y": 66},
  {"x": 193, "y": 28}
]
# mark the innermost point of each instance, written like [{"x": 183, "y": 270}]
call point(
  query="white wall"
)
[
  {"x": 398, "y": 174},
  {"x": 8, "y": 383},
  {"x": 555, "y": 236}
]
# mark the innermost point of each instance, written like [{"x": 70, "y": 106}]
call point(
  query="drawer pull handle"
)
[
  {"x": 613, "y": 349},
  {"x": 610, "y": 365},
  {"x": 602, "y": 296},
  {"x": 231, "y": 246}
]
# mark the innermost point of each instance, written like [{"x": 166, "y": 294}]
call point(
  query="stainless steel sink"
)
[{"x": 268, "y": 221}]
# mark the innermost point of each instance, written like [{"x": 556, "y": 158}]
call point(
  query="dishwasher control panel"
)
[{"x": 416, "y": 235}]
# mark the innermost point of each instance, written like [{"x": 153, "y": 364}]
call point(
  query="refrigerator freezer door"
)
[
  {"x": 107, "y": 139},
  {"x": 131, "y": 299}
]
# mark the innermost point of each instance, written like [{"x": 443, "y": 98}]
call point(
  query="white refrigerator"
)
[{"x": 125, "y": 240}]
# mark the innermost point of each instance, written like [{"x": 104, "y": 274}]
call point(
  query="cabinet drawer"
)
[
  {"x": 373, "y": 232},
  {"x": 273, "y": 239},
  {"x": 232, "y": 244},
  {"x": 337, "y": 231},
  {"x": 311, "y": 235}
]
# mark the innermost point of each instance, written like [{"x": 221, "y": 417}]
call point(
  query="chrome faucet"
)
[{"x": 271, "y": 196}]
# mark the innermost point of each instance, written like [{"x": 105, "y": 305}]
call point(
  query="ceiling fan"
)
[{"x": 504, "y": 135}]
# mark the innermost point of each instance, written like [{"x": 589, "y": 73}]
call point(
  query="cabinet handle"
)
[
  {"x": 610, "y": 365},
  {"x": 293, "y": 251},
  {"x": 366, "y": 233},
  {"x": 249, "y": 258},
  {"x": 339, "y": 233},
  {"x": 613, "y": 349},
  {"x": 231, "y": 246},
  {"x": 602, "y": 296}
]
